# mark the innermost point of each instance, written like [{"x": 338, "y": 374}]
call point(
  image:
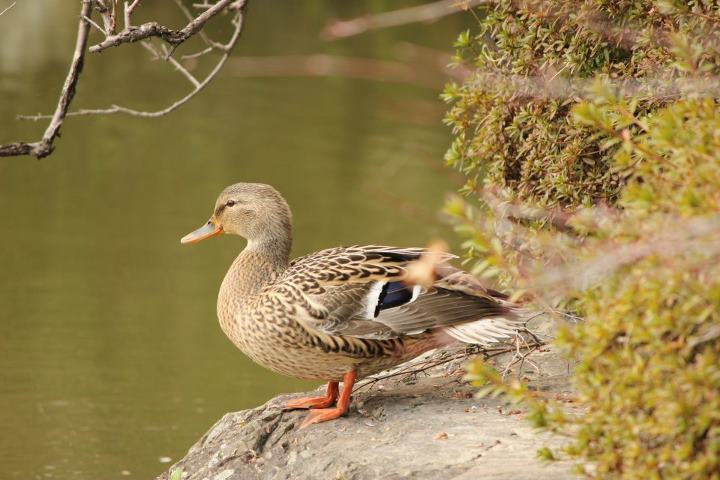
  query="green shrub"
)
[{"x": 589, "y": 134}]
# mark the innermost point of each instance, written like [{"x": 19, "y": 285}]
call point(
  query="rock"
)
[{"x": 419, "y": 426}]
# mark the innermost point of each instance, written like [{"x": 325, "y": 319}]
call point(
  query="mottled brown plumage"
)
[{"x": 339, "y": 313}]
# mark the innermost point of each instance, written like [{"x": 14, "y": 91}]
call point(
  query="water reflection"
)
[{"x": 111, "y": 354}]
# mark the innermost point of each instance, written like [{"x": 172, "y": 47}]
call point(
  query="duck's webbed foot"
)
[
  {"x": 325, "y": 414},
  {"x": 316, "y": 402},
  {"x": 321, "y": 415}
]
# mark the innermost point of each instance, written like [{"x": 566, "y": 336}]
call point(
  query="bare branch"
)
[
  {"x": 133, "y": 34},
  {"x": 107, "y": 10},
  {"x": 16, "y": 149},
  {"x": 199, "y": 86},
  {"x": 7, "y": 8},
  {"x": 44, "y": 147},
  {"x": 421, "y": 13},
  {"x": 190, "y": 17}
]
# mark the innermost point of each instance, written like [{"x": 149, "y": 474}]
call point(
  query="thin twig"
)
[
  {"x": 158, "y": 55},
  {"x": 403, "y": 16},
  {"x": 520, "y": 357},
  {"x": 179, "y": 67},
  {"x": 410, "y": 370},
  {"x": 197, "y": 54},
  {"x": 127, "y": 13},
  {"x": 129, "y": 9},
  {"x": 422, "y": 367},
  {"x": 7, "y": 8},
  {"x": 44, "y": 147},
  {"x": 94, "y": 24}
]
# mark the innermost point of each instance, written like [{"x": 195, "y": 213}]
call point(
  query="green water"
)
[{"x": 110, "y": 352}]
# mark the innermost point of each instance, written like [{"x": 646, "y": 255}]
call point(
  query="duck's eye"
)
[{"x": 230, "y": 203}]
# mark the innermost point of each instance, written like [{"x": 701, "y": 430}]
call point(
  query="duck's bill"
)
[{"x": 210, "y": 229}]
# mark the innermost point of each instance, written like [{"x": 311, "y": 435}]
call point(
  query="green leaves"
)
[
  {"x": 463, "y": 40},
  {"x": 603, "y": 195}
]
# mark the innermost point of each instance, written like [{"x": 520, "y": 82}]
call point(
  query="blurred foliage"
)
[{"x": 589, "y": 135}]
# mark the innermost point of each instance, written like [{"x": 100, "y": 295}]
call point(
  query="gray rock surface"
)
[{"x": 425, "y": 425}]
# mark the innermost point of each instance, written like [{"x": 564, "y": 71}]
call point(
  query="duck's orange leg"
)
[
  {"x": 325, "y": 414},
  {"x": 331, "y": 394}
]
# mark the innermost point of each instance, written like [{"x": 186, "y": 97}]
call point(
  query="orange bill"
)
[{"x": 210, "y": 229}]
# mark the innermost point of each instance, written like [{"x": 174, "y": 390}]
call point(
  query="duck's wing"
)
[{"x": 360, "y": 292}]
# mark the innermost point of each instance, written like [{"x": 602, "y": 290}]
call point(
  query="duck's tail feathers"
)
[{"x": 485, "y": 331}]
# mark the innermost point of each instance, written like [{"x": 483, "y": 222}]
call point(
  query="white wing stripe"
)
[
  {"x": 417, "y": 290},
  {"x": 372, "y": 299}
]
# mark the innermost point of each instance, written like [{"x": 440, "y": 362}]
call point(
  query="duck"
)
[{"x": 343, "y": 313}]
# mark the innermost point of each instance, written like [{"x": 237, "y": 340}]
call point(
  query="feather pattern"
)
[{"x": 342, "y": 284}]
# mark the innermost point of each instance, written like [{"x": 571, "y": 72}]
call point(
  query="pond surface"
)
[{"x": 111, "y": 359}]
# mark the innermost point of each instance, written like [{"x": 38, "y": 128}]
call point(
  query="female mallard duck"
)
[{"x": 340, "y": 313}]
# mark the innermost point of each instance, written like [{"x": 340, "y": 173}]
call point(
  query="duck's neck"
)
[{"x": 258, "y": 265}]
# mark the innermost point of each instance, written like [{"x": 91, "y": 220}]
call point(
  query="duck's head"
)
[{"x": 254, "y": 211}]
